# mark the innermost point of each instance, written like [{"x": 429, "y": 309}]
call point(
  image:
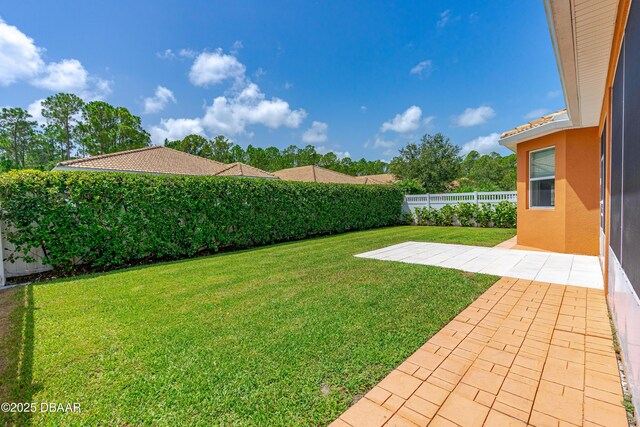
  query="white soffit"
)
[{"x": 582, "y": 35}]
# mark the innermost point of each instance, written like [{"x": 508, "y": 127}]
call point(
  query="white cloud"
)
[
  {"x": 427, "y": 121},
  {"x": 188, "y": 53},
  {"x": 166, "y": 54},
  {"x": 20, "y": 59},
  {"x": 231, "y": 115},
  {"x": 173, "y": 129},
  {"x": 381, "y": 143},
  {"x": 211, "y": 68},
  {"x": 482, "y": 144},
  {"x": 339, "y": 154},
  {"x": 237, "y": 45},
  {"x": 68, "y": 75},
  {"x": 423, "y": 68},
  {"x": 159, "y": 101},
  {"x": 363, "y": 108},
  {"x": 19, "y": 56},
  {"x": 244, "y": 104},
  {"x": 445, "y": 18},
  {"x": 536, "y": 114},
  {"x": 316, "y": 133},
  {"x": 404, "y": 122},
  {"x": 554, "y": 94},
  {"x": 35, "y": 109},
  {"x": 475, "y": 116}
]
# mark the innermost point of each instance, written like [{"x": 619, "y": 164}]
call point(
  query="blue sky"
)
[{"x": 356, "y": 77}]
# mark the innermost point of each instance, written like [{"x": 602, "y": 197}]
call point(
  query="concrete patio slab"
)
[
  {"x": 549, "y": 267},
  {"x": 524, "y": 353}
]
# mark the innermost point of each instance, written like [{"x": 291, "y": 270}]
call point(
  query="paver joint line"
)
[{"x": 487, "y": 365}]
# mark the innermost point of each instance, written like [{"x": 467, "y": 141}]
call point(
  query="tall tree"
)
[
  {"x": 221, "y": 149},
  {"x": 192, "y": 144},
  {"x": 97, "y": 129},
  {"x": 107, "y": 129},
  {"x": 129, "y": 133},
  {"x": 62, "y": 112},
  {"x": 17, "y": 134},
  {"x": 434, "y": 162},
  {"x": 488, "y": 172}
]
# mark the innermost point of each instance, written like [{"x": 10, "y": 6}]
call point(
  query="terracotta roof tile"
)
[
  {"x": 381, "y": 178},
  {"x": 534, "y": 123},
  {"x": 315, "y": 174},
  {"x": 240, "y": 169},
  {"x": 156, "y": 159}
]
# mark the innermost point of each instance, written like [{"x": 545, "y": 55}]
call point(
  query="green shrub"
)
[
  {"x": 505, "y": 214},
  {"x": 448, "y": 214},
  {"x": 428, "y": 216},
  {"x": 406, "y": 218},
  {"x": 110, "y": 219},
  {"x": 484, "y": 217},
  {"x": 469, "y": 214},
  {"x": 466, "y": 213}
]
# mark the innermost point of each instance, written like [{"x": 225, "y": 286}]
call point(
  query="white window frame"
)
[{"x": 544, "y": 208}]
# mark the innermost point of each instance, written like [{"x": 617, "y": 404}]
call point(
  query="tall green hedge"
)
[{"x": 109, "y": 219}]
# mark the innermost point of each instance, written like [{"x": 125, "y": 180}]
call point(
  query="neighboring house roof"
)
[
  {"x": 535, "y": 128},
  {"x": 381, "y": 178},
  {"x": 156, "y": 159},
  {"x": 240, "y": 169},
  {"x": 534, "y": 123},
  {"x": 315, "y": 174}
]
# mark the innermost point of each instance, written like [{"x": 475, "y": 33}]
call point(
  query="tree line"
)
[
  {"x": 434, "y": 165},
  {"x": 71, "y": 128},
  {"x": 273, "y": 159}
]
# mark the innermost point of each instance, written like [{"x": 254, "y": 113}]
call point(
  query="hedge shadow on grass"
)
[{"x": 17, "y": 339}]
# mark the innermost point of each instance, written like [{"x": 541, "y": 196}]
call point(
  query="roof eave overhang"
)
[
  {"x": 582, "y": 37},
  {"x": 560, "y": 23},
  {"x": 548, "y": 128}
]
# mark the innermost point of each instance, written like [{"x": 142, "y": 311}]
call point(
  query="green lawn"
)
[{"x": 282, "y": 335}]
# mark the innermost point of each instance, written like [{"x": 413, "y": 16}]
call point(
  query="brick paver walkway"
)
[{"x": 524, "y": 353}]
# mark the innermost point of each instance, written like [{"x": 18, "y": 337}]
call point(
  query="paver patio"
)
[
  {"x": 550, "y": 267},
  {"x": 524, "y": 353}
]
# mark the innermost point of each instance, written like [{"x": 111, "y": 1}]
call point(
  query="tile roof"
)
[
  {"x": 535, "y": 123},
  {"x": 315, "y": 174},
  {"x": 240, "y": 169},
  {"x": 381, "y": 178},
  {"x": 154, "y": 159}
]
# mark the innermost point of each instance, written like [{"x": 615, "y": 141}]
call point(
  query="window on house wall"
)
[{"x": 542, "y": 178}]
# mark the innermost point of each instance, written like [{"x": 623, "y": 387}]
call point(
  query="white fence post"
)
[{"x": 436, "y": 201}]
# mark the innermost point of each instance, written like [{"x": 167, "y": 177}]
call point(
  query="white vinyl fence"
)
[
  {"x": 436, "y": 201},
  {"x": 18, "y": 267}
]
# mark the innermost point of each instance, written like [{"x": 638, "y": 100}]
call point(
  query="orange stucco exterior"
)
[{"x": 572, "y": 226}]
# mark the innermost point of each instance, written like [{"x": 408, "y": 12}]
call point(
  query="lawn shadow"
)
[{"x": 17, "y": 318}]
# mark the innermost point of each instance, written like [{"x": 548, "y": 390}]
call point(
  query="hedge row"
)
[
  {"x": 109, "y": 219},
  {"x": 503, "y": 215}
]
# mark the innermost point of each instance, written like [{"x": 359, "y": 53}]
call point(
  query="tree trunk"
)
[
  {"x": 15, "y": 143},
  {"x": 66, "y": 128}
]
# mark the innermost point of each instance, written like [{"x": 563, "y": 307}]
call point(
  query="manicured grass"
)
[{"x": 282, "y": 335}]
